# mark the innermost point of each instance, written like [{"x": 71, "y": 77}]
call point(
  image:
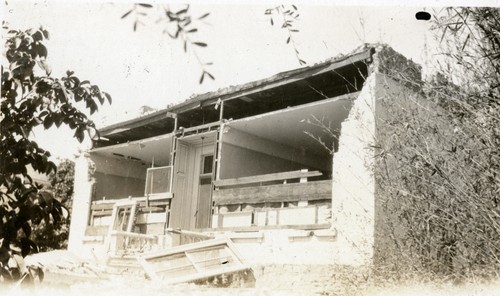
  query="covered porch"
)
[{"x": 274, "y": 169}]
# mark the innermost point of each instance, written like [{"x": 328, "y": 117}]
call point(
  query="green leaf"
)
[
  {"x": 108, "y": 97},
  {"x": 200, "y": 44},
  {"x": 38, "y": 36},
  {"x": 41, "y": 50},
  {"x": 93, "y": 106},
  {"x": 193, "y": 30},
  {"x": 272, "y": 22},
  {"x": 204, "y": 16},
  {"x": 202, "y": 77},
  {"x": 145, "y": 5},
  {"x": 47, "y": 122},
  {"x": 182, "y": 11},
  {"x": 45, "y": 66},
  {"x": 45, "y": 33},
  {"x": 79, "y": 134},
  {"x": 100, "y": 97},
  {"x": 58, "y": 119},
  {"x": 127, "y": 13}
]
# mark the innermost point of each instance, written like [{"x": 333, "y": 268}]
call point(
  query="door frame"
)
[{"x": 189, "y": 204}]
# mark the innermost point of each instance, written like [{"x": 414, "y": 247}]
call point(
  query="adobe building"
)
[{"x": 283, "y": 166}]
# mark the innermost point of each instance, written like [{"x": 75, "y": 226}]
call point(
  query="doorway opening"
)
[{"x": 194, "y": 170}]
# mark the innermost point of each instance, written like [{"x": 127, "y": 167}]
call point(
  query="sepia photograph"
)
[{"x": 250, "y": 148}]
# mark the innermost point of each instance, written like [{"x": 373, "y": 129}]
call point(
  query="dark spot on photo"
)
[{"x": 423, "y": 16}]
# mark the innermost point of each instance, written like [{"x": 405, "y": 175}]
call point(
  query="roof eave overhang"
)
[{"x": 239, "y": 91}]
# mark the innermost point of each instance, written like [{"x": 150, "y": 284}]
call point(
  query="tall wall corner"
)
[
  {"x": 353, "y": 187},
  {"x": 81, "y": 203}
]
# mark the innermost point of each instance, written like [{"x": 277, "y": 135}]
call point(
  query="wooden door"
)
[
  {"x": 180, "y": 190},
  {"x": 204, "y": 204}
]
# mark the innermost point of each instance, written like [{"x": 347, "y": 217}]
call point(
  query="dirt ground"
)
[{"x": 66, "y": 275}]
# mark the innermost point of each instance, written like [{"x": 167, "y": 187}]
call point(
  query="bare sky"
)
[{"x": 148, "y": 68}]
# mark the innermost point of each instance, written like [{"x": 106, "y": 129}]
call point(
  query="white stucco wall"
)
[
  {"x": 81, "y": 204},
  {"x": 353, "y": 187}
]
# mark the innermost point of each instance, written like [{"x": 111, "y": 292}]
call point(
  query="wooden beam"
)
[
  {"x": 136, "y": 122},
  {"x": 266, "y": 178},
  {"x": 317, "y": 190}
]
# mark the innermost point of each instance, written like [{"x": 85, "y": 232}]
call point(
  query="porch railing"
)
[
  {"x": 129, "y": 243},
  {"x": 272, "y": 200}
]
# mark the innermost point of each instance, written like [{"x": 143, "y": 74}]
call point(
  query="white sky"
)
[{"x": 148, "y": 68}]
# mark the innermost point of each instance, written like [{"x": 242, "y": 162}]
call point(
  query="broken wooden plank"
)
[
  {"x": 187, "y": 263},
  {"x": 266, "y": 178},
  {"x": 316, "y": 190}
]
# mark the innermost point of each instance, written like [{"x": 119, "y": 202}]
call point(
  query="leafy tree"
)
[
  {"x": 53, "y": 236},
  {"x": 31, "y": 97},
  {"x": 62, "y": 182}
]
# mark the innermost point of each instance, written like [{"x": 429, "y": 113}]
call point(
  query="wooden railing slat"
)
[
  {"x": 266, "y": 178},
  {"x": 316, "y": 190}
]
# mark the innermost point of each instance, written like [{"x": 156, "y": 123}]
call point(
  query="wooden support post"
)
[
  {"x": 221, "y": 117},
  {"x": 218, "y": 156},
  {"x": 172, "y": 154}
]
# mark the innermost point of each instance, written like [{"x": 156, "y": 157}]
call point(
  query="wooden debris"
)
[{"x": 193, "y": 262}]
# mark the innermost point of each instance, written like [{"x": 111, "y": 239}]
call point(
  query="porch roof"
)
[{"x": 162, "y": 122}]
